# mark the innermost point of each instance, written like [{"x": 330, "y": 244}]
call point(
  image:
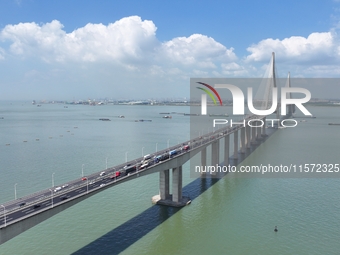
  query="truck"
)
[
  {"x": 160, "y": 158},
  {"x": 172, "y": 153},
  {"x": 128, "y": 169}
]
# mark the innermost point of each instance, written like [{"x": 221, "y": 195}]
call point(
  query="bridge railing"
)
[{"x": 193, "y": 144}]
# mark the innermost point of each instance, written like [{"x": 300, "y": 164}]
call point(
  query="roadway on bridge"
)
[{"x": 30, "y": 205}]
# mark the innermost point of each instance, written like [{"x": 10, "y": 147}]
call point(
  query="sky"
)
[{"x": 73, "y": 50}]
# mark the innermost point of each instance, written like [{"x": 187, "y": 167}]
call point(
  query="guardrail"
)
[{"x": 193, "y": 144}]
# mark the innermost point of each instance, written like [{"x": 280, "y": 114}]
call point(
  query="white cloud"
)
[
  {"x": 2, "y": 53},
  {"x": 234, "y": 69},
  {"x": 316, "y": 48},
  {"x": 197, "y": 50},
  {"x": 129, "y": 42},
  {"x": 124, "y": 53},
  {"x": 128, "y": 38},
  {"x": 128, "y": 53}
]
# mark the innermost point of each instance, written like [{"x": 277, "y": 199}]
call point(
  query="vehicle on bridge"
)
[
  {"x": 145, "y": 164},
  {"x": 172, "y": 153},
  {"x": 57, "y": 189},
  {"x": 160, "y": 158},
  {"x": 64, "y": 197},
  {"x": 116, "y": 174},
  {"x": 146, "y": 158},
  {"x": 128, "y": 169},
  {"x": 185, "y": 147}
]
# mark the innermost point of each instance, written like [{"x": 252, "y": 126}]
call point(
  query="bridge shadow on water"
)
[{"x": 120, "y": 238}]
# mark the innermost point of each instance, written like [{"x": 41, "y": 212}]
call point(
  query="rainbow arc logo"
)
[{"x": 209, "y": 92}]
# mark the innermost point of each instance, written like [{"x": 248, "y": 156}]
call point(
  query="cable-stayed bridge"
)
[{"x": 18, "y": 216}]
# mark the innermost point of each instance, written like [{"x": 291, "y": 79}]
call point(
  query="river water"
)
[{"x": 234, "y": 215}]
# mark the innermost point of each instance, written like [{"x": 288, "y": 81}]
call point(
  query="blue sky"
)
[{"x": 150, "y": 49}]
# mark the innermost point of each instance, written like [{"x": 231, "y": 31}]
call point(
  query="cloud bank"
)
[
  {"x": 129, "y": 41},
  {"x": 129, "y": 53}
]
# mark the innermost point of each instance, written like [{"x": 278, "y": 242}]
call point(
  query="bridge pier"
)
[
  {"x": 203, "y": 159},
  {"x": 253, "y": 135},
  {"x": 243, "y": 138},
  {"x": 264, "y": 127},
  {"x": 226, "y": 150},
  {"x": 177, "y": 184},
  {"x": 248, "y": 137},
  {"x": 215, "y": 152},
  {"x": 164, "y": 184},
  {"x": 164, "y": 197},
  {"x": 258, "y": 130},
  {"x": 236, "y": 144}
]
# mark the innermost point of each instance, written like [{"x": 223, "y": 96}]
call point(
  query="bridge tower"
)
[{"x": 291, "y": 108}]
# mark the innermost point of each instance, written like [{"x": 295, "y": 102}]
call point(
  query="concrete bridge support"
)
[
  {"x": 248, "y": 137},
  {"x": 264, "y": 127},
  {"x": 258, "y": 130},
  {"x": 164, "y": 197},
  {"x": 243, "y": 140},
  {"x": 236, "y": 144},
  {"x": 164, "y": 184},
  {"x": 215, "y": 154},
  {"x": 177, "y": 184},
  {"x": 253, "y": 135},
  {"x": 203, "y": 159},
  {"x": 226, "y": 150}
]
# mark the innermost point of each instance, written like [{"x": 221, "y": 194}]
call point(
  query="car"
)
[
  {"x": 102, "y": 173},
  {"x": 84, "y": 178},
  {"x": 185, "y": 148},
  {"x": 36, "y": 206},
  {"x": 102, "y": 185},
  {"x": 65, "y": 186},
  {"x": 57, "y": 189},
  {"x": 22, "y": 204},
  {"x": 117, "y": 174},
  {"x": 145, "y": 165},
  {"x": 146, "y": 157},
  {"x": 92, "y": 182},
  {"x": 64, "y": 197},
  {"x": 127, "y": 166}
]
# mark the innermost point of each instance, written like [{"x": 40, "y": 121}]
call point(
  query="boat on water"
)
[
  {"x": 167, "y": 117},
  {"x": 104, "y": 119},
  {"x": 143, "y": 120},
  {"x": 336, "y": 124},
  {"x": 121, "y": 116}
]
